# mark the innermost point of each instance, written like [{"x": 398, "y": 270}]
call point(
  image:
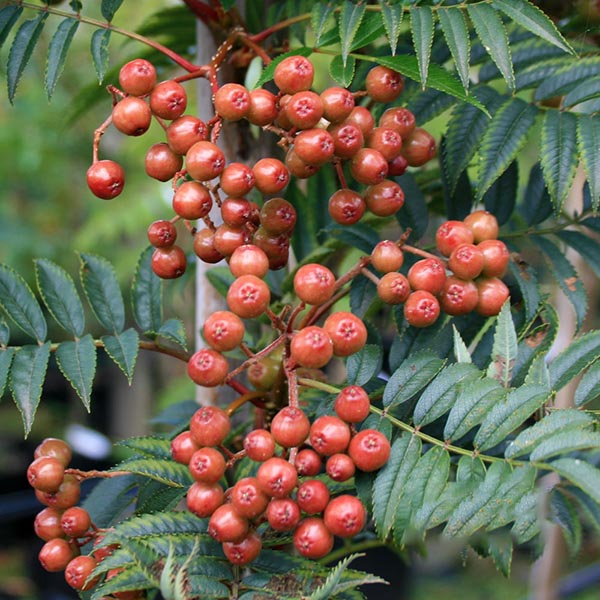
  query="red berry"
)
[
  {"x": 314, "y": 283},
  {"x": 232, "y": 101},
  {"x": 368, "y": 166},
  {"x": 209, "y": 426},
  {"x": 249, "y": 259},
  {"x": 369, "y": 449},
  {"x": 169, "y": 263},
  {"x": 298, "y": 167},
  {"x": 347, "y": 332},
  {"x": 56, "y": 554},
  {"x": 346, "y": 207},
  {"x": 383, "y": 84},
  {"x": 340, "y": 467},
  {"x": 137, "y": 77},
  {"x": 207, "y": 464},
  {"x": 259, "y": 445},
  {"x": 352, "y": 404},
  {"x": 264, "y": 373},
  {"x": 345, "y": 516},
  {"x": 329, "y": 435},
  {"x": 312, "y": 496},
  {"x": 204, "y": 161},
  {"x": 106, "y": 179},
  {"x": 161, "y": 162},
  {"x": 47, "y": 524},
  {"x": 294, "y": 74},
  {"x": 223, "y": 331},
  {"x": 493, "y": 293},
  {"x": 459, "y": 296},
  {"x": 168, "y": 100},
  {"x": 290, "y": 427},
  {"x": 348, "y": 139},
  {"x": 271, "y": 175},
  {"x": 385, "y": 198},
  {"x": 495, "y": 258},
  {"x": 184, "y": 132},
  {"x": 483, "y": 224},
  {"x": 397, "y": 166},
  {"x": 311, "y": 347},
  {"x": 245, "y": 551},
  {"x": 208, "y": 368},
  {"x": 393, "y": 288},
  {"x": 427, "y": 274},
  {"x": 192, "y": 201},
  {"x": 314, "y": 146},
  {"x": 421, "y": 309},
  {"x": 132, "y": 116},
  {"x": 362, "y": 117},
  {"x": 277, "y": 216},
  {"x": 162, "y": 234},
  {"x": 262, "y": 109},
  {"x": 204, "y": 246},
  {"x": 387, "y": 256},
  {"x": 56, "y": 448},
  {"x": 312, "y": 539},
  {"x": 385, "y": 140},
  {"x": 237, "y": 180},
  {"x": 283, "y": 514},
  {"x": 248, "y": 297},
  {"x": 308, "y": 463},
  {"x": 419, "y": 147},
  {"x": 466, "y": 261},
  {"x": 399, "y": 119},
  {"x": 45, "y": 474},
  {"x": 227, "y": 525},
  {"x": 248, "y": 499},
  {"x": 338, "y": 103},
  {"x": 204, "y": 498},
  {"x": 304, "y": 109},
  {"x": 67, "y": 495},
  {"x": 182, "y": 447},
  {"x": 228, "y": 238},
  {"x": 451, "y": 234},
  {"x": 75, "y": 521},
  {"x": 78, "y": 571},
  {"x": 277, "y": 477}
]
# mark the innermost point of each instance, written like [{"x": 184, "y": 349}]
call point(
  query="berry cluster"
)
[{"x": 466, "y": 278}]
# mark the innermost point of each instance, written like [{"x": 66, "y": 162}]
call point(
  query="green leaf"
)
[
  {"x": 174, "y": 330},
  {"x": 77, "y": 362},
  {"x": 6, "y": 356},
  {"x": 538, "y": 372},
  {"x": 527, "y": 521},
  {"x": 461, "y": 352},
  {"x": 391, "y": 15},
  {"x": 504, "y": 349},
  {"x": 146, "y": 294},
  {"x": 579, "y": 354},
  {"x": 473, "y": 403},
  {"x": 428, "y": 104},
  {"x": 501, "y": 196},
  {"x": 564, "y": 442},
  {"x": 581, "y": 474},
  {"x": 439, "y": 396},
  {"x": 537, "y": 206},
  {"x": 149, "y": 446},
  {"x": 364, "y": 365},
  {"x": 501, "y": 550},
  {"x": 505, "y": 417},
  {"x": 586, "y": 246},
  {"x": 565, "y": 78},
  {"x": 533, "y": 19},
  {"x": 411, "y": 376},
  {"x": 127, "y": 579},
  {"x": 9, "y": 15},
  {"x": 60, "y": 296},
  {"x": 370, "y": 30},
  {"x": 221, "y": 279},
  {"x": 123, "y": 348},
  {"x": 391, "y": 479},
  {"x": 456, "y": 33},
  {"x": 342, "y": 73},
  {"x": 564, "y": 514},
  {"x": 588, "y": 139},
  {"x": 326, "y": 590},
  {"x": 320, "y": 18},
  {"x": 362, "y": 294},
  {"x": 17, "y": 299},
  {"x": 421, "y": 28},
  {"x": 520, "y": 483},
  {"x": 27, "y": 375},
  {"x": 166, "y": 471},
  {"x": 525, "y": 276},
  {"x": 108, "y": 8},
  {"x": 558, "y": 154},
  {"x": 414, "y": 214},
  {"x": 351, "y": 16},
  {"x": 57, "y": 52},
  {"x": 586, "y": 90},
  {"x": 99, "y": 50},
  {"x": 492, "y": 34},
  {"x": 269, "y": 71},
  {"x": 4, "y": 333},
  {"x": 589, "y": 508},
  {"x": 589, "y": 385},
  {"x": 21, "y": 49},
  {"x": 502, "y": 140}
]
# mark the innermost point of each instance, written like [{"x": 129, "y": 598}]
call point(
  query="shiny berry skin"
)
[
  {"x": 427, "y": 274},
  {"x": 290, "y": 427},
  {"x": 399, "y": 119},
  {"x": 368, "y": 166},
  {"x": 169, "y": 263},
  {"x": 383, "y": 84},
  {"x": 78, "y": 571},
  {"x": 459, "y": 296},
  {"x": 248, "y": 499},
  {"x": 275, "y": 246},
  {"x": 329, "y": 435},
  {"x": 304, "y": 109},
  {"x": 348, "y": 139},
  {"x": 277, "y": 216},
  {"x": 259, "y": 445},
  {"x": 346, "y": 207},
  {"x": 227, "y": 525},
  {"x": 294, "y": 74},
  {"x": 451, "y": 234},
  {"x": 347, "y": 332},
  {"x": 385, "y": 140},
  {"x": 311, "y": 347},
  {"x": 45, "y": 474},
  {"x": 162, "y": 234},
  {"x": 345, "y": 516},
  {"x": 204, "y": 246},
  {"x": 75, "y": 521},
  {"x": 312, "y": 496},
  {"x": 161, "y": 162},
  {"x": 204, "y": 161},
  {"x": 236, "y": 212},
  {"x": 340, "y": 467},
  {"x": 297, "y": 167},
  {"x": 312, "y": 539},
  {"x": 47, "y": 524},
  {"x": 228, "y": 238},
  {"x": 56, "y": 554},
  {"x": 393, "y": 288},
  {"x": 495, "y": 258},
  {"x": 369, "y": 449},
  {"x": 493, "y": 293},
  {"x": 236, "y": 180},
  {"x": 421, "y": 309},
  {"x": 483, "y": 224},
  {"x": 207, "y": 464},
  {"x": 56, "y": 448},
  {"x": 248, "y": 297},
  {"x": 245, "y": 551},
  {"x": 249, "y": 259},
  {"x": 397, "y": 166},
  {"x": 418, "y": 148},
  {"x": 207, "y": 367},
  {"x": 192, "y": 201},
  {"x": 277, "y": 477},
  {"x": 184, "y": 132},
  {"x": 209, "y": 426},
  {"x": 338, "y": 103},
  {"x": 385, "y": 198},
  {"x": 262, "y": 109},
  {"x": 314, "y": 146},
  {"x": 204, "y": 498},
  {"x": 466, "y": 261},
  {"x": 271, "y": 175},
  {"x": 106, "y": 179},
  {"x": 232, "y": 101},
  {"x": 308, "y": 463},
  {"x": 352, "y": 404},
  {"x": 132, "y": 116},
  {"x": 387, "y": 256},
  {"x": 314, "y": 283},
  {"x": 223, "y": 330},
  {"x": 361, "y": 117},
  {"x": 183, "y": 447},
  {"x": 67, "y": 495},
  {"x": 283, "y": 514},
  {"x": 137, "y": 77},
  {"x": 168, "y": 100}
]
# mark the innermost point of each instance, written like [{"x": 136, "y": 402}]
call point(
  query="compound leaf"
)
[
  {"x": 123, "y": 348},
  {"x": 581, "y": 474},
  {"x": 456, "y": 33},
  {"x": 351, "y": 16},
  {"x": 77, "y": 362},
  {"x": 504, "y": 349},
  {"x": 146, "y": 294},
  {"x": 57, "y": 52},
  {"x": 421, "y": 28},
  {"x": 391, "y": 15}
]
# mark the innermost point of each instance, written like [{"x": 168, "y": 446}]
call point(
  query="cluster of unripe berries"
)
[
  {"x": 466, "y": 278},
  {"x": 314, "y": 129},
  {"x": 285, "y": 495}
]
